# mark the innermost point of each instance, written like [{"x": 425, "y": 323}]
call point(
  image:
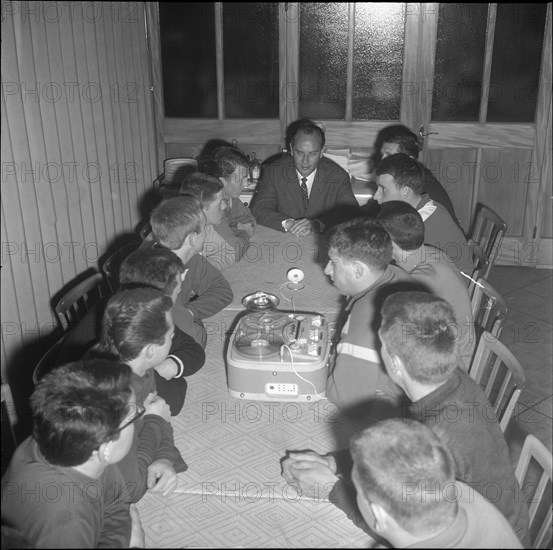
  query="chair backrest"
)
[
  {"x": 488, "y": 232},
  {"x": 489, "y": 309},
  {"x": 534, "y": 473},
  {"x": 48, "y": 361},
  {"x": 145, "y": 230},
  {"x": 500, "y": 375},
  {"x": 480, "y": 262},
  {"x": 72, "y": 307},
  {"x": 110, "y": 267}
]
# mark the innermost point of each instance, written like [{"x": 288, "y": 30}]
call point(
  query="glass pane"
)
[
  {"x": 187, "y": 34},
  {"x": 250, "y": 46},
  {"x": 323, "y": 60},
  {"x": 378, "y": 60},
  {"x": 516, "y": 62},
  {"x": 460, "y": 49}
]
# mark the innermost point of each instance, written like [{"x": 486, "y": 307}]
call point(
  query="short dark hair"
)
[
  {"x": 308, "y": 127},
  {"x": 407, "y": 172},
  {"x": 134, "y": 318},
  {"x": 175, "y": 219},
  {"x": 397, "y": 462},
  {"x": 156, "y": 267},
  {"x": 362, "y": 239},
  {"x": 202, "y": 186},
  {"x": 227, "y": 159},
  {"x": 79, "y": 406},
  {"x": 407, "y": 141},
  {"x": 403, "y": 223},
  {"x": 421, "y": 330}
]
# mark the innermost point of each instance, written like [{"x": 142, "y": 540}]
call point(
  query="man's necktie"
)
[{"x": 304, "y": 193}]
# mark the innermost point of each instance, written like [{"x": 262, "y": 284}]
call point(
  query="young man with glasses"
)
[
  {"x": 137, "y": 329},
  {"x": 63, "y": 487}
]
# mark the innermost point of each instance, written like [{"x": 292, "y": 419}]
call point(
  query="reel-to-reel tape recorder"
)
[{"x": 274, "y": 355}]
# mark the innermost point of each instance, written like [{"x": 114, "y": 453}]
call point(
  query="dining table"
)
[{"x": 233, "y": 493}]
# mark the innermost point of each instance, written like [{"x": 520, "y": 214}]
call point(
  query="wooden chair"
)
[
  {"x": 488, "y": 232},
  {"x": 145, "y": 231},
  {"x": 535, "y": 487},
  {"x": 48, "y": 361},
  {"x": 480, "y": 262},
  {"x": 110, "y": 267},
  {"x": 489, "y": 310},
  {"x": 500, "y": 375},
  {"x": 72, "y": 306}
]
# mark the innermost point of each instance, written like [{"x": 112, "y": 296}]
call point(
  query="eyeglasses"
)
[{"x": 136, "y": 417}]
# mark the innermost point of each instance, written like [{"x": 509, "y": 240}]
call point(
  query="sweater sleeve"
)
[
  {"x": 212, "y": 292},
  {"x": 188, "y": 351},
  {"x": 265, "y": 200}
]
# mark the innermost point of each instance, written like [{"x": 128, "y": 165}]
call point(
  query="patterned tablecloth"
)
[{"x": 233, "y": 494}]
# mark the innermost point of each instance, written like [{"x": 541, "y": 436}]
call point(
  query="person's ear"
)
[
  {"x": 358, "y": 269},
  {"x": 381, "y": 518},
  {"x": 191, "y": 239},
  {"x": 104, "y": 453},
  {"x": 150, "y": 351},
  {"x": 396, "y": 365}
]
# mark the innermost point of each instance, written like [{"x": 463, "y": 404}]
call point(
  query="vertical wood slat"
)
[
  {"x": 349, "y": 68},
  {"x": 78, "y": 150},
  {"x": 219, "y": 61},
  {"x": 154, "y": 44},
  {"x": 487, "y": 69},
  {"x": 542, "y": 146},
  {"x": 289, "y": 61}
]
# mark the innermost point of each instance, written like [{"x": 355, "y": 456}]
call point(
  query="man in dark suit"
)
[{"x": 303, "y": 192}]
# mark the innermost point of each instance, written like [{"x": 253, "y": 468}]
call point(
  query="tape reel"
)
[{"x": 295, "y": 275}]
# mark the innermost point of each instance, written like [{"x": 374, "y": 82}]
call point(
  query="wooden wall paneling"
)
[
  {"x": 129, "y": 109},
  {"x": 115, "y": 129},
  {"x": 11, "y": 326},
  {"x": 505, "y": 175},
  {"x": 487, "y": 69},
  {"x": 44, "y": 153},
  {"x": 127, "y": 157},
  {"x": 18, "y": 296},
  {"x": 112, "y": 96},
  {"x": 543, "y": 203},
  {"x": 148, "y": 128},
  {"x": 144, "y": 169},
  {"x": 219, "y": 60},
  {"x": 353, "y": 134},
  {"x": 289, "y": 53},
  {"x": 95, "y": 138},
  {"x": 197, "y": 130},
  {"x": 60, "y": 154},
  {"x": 21, "y": 122},
  {"x": 78, "y": 188},
  {"x": 349, "y": 68},
  {"x": 85, "y": 138},
  {"x": 472, "y": 134},
  {"x": 455, "y": 170},
  {"x": 156, "y": 68},
  {"x": 427, "y": 55},
  {"x": 411, "y": 74},
  {"x": 55, "y": 229}
]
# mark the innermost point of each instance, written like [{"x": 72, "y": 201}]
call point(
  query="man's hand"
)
[
  {"x": 168, "y": 369},
  {"x": 158, "y": 406},
  {"x": 137, "y": 533},
  {"x": 303, "y": 227},
  {"x": 325, "y": 460},
  {"x": 247, "y": 227},
  {"x": 161, "y": 477},
  {"x": 311, "y": 472}
]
